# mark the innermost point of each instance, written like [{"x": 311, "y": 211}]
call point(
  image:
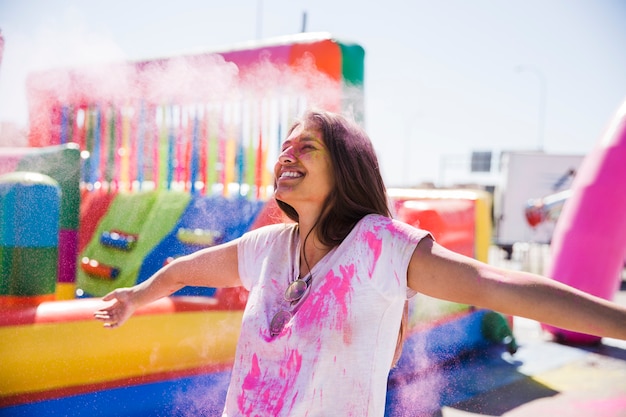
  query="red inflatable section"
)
[
  {"x": 94, "y": 205},
  {"x": 451, "y": 221},
  {"x": 270, "y": 214}
]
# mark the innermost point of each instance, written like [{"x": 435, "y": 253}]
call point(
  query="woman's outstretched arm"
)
[
  {"x": 212, "y": 267},
  {"x": 441, "y": 273}
]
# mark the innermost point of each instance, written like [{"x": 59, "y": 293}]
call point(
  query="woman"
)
[{"x": 328, "y": 292}]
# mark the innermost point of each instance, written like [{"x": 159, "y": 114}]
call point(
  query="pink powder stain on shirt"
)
[
  {"x": 263, "y": 393},
  {"x": 376, "y": 246},
  {"x": 395, "y": 230},
  {"x": 329, "y": 305}
]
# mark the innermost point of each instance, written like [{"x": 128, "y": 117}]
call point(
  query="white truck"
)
[{"x": 527, "y": 176}]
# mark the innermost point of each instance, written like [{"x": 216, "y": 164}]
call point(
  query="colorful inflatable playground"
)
[{"x": 132, "y": 165}]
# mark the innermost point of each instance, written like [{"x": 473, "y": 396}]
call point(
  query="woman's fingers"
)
[
  {"x": 122, "y": 307},
  {"x": 113, "y": 315},
  {"x": 107, "y": 316}
]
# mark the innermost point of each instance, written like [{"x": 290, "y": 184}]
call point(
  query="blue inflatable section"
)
[
  {"x": 207, "y": 221},
  {"x": 201, "y": 395},
  {"x": 30, "y": 207}
]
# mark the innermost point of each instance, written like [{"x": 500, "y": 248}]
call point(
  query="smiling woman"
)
[{"x": 323, "y": 324}]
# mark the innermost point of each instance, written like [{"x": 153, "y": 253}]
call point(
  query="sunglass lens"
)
[
  {"x": 279, "y": 321},
  {"x": 295, "y": 290}
]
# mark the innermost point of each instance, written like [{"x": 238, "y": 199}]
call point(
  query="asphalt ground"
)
[{"x": 543, "y": 378}]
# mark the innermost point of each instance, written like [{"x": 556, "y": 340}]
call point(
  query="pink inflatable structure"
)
[{"x": 589, "y": 241}]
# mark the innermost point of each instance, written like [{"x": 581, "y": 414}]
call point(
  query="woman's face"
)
[{"x": 303, "y": 171}]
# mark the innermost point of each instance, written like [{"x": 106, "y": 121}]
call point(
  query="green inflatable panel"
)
[
  {"x": 26, "y": 271},
  {"x": 149, "y": 216}
]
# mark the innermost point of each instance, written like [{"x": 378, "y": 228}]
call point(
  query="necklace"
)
[
  {"x": 294, "y": 293},
  {"x": 298, "y": 287}
]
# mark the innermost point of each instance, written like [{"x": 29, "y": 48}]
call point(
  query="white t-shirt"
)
[{"x": 333, "y": 357}]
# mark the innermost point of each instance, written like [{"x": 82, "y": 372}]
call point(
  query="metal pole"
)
[{"x": 304, "y": 16}]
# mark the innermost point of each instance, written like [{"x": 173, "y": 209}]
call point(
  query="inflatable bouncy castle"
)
[{"x": 159, "y": 136}]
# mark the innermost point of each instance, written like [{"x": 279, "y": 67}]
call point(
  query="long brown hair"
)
[{"x": 359, "y": 188}]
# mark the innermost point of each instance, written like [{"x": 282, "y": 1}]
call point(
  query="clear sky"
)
[{"x": 440, "y": 75}]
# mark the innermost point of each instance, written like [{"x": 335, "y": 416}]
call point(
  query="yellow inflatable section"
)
[{"x": 58, "y": 348}]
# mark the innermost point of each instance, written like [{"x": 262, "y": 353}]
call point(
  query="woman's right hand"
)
[{"x": 117, "y": 313}]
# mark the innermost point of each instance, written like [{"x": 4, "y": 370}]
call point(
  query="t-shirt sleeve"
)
[
  {"x": 253, "y": 249},
  {"x": 413, "y": 237},
  {"x": 397, "y": 242}
]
